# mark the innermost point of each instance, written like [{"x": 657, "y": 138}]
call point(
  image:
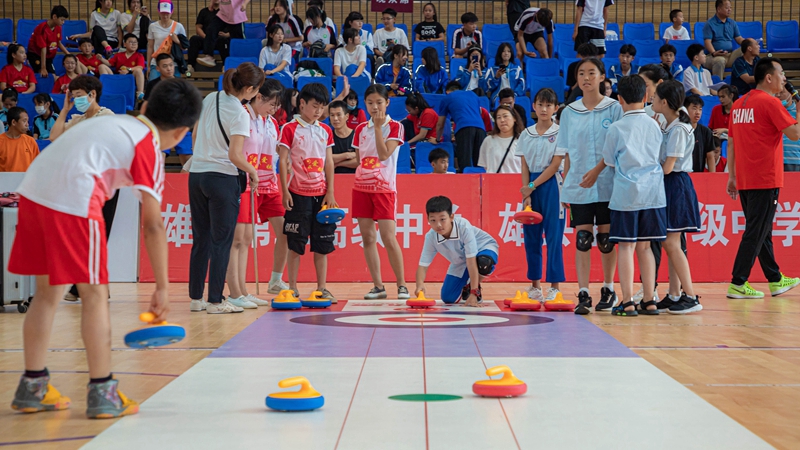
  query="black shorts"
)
[
  {"x": 532, "y": 38},
  {"x": 301, "y": 223},
  {"x": 594, "y": 35},
  {"x": 36, "y": 63},
  {"x": 589, "y": 214}
]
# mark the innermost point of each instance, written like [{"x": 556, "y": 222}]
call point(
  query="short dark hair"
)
[
  {"x": 10, "y": 93},
  {"x": 128, "y": 36},
  {"x": 174, "y": 103},
  {"x": 588, "y": 50},
  {"x": 59, "y": 11},
  {"x": 82, "y": 41},
  {"x": 747, "y": 42},
  {"x": 717, "y": 142},
  {"x": 437, "y": 154},
  {"x": 377, "y": 89},
  {"x": 338, "y": 104},
  {"x": 389, "y": 11},
  {"x": 15, "y": 113},
  {"x": 544, "y": 16},
  {"x": 271, "y": 88},
  {"x": 632, "y": 89},
  {"x": 654, "y": 72},
  {"x": 765, "y": 67},
  {"x": 453, "y": 85},
  {"x": 314, "y": 91},
  {"x": 439, "y": 204},
  {"x": 673, "y": 14},
  {"x": 629, "y": 49},
  {"x": 469, "y": 17},
  {"x": 88, "y": 83},
  {"x": 506, "y": 93},
  {"x": 163, "y": 56},
  {"x": 693, "y": 99},
  {"x": 347, "y": 34},
  {"x": 694, "y": 50},
  {"x": 667, "y": 48},
  {"x": 546, "y": 95},
  {"x": 719, "y": 3}
]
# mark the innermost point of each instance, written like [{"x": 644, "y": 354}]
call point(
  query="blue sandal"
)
[{"x": 620, "y": 310}]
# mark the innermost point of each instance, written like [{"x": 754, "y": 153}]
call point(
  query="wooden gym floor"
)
[{"x": 740, "y": 356}]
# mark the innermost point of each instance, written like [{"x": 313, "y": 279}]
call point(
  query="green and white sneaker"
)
[
  {"x": 744, "y": 291},
  {"x": 784, "y": 285}
]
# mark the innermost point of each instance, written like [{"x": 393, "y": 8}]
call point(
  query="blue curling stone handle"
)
[
  {"x": 330, "y": 215},
  {"x": 155, "y": 336},
  {"x": 295, "y": 404},
  {"x": 316, "y": 303}
]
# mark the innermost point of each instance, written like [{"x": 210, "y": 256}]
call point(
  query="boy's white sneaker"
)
[
  {"x": 197, "y": 305},
  {"x": 224, "y": 307},
  {"x": 535, "y": 294},
  {"x": 255, "y": 300},
  {"x": 551, "y": 294},
  {"x": 277, "y": 287},
  {"x": 242, "y": 302}
]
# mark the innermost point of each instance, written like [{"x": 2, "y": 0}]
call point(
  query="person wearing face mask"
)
[{"x": 47, "y": 111}]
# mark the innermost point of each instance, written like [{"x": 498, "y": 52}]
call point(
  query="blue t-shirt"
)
[
  {"x": 463, "y": 108},
  {"x": 741, "y": 67},
  {"x": 791, "y": 149},
  {"x": 721, "y": 33}
]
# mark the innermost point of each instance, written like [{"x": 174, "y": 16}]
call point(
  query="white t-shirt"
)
[
  {"x": 372, "y": 174},
  {"x": 78, "y": 118},
  {"x": 592, "y": 16},
  {"x": 268, "y": 56},
  {"x": 492, "y": 151},
  {"x": 328, "y": 22},
  {"x": 537, "y": 149},
  {"x": 382, "y": 38},
  {"x": 366, "y": 39},
  {"x": 700, "y": 79},
  {"x": 125, "y": 19},
  {"x": 110, "y": 23},
  {"x": 126, "y": 153},
  {"x": 343, "y": 58},
  {"x": 465, "y": 241},
  {"x": 671, "y": 34},
  {"x": 210, "y": 153},
  {"x": 158, "y": 34}
]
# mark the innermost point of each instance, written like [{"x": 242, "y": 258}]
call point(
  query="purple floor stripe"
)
[{"x": 44, "y": 441}]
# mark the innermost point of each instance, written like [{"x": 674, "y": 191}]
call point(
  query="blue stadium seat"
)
[
  {"x": 567, "y": 49},
  {"x": 25, "y": 30},
  {"x": 698, "y": 31},
  {"x": 285, "y": 79},
  {"x": 612, "y": 48},
  {"x": 525, "y": 102},
  {"x": 709, "y": 102},
  {"x": 646, "y": 48},
  {"x": 638, "y": 31},
  {"x": 45, "y": 85},
  {"x": 645, "y": 61},
  {"x": 750, "y": 30},
  {"x": 58, "y": 63},
  {"x": 3, "y": 57},
  {"x": 124, "y": 85},
  {"x": 538, "y": 67},
  {"x": 114, "y": 102},
  {"x": 565, "y": 62},
  {"x": 42, "y": 143},
  {"x": 474, "y": 170},
  {"x": 495, "y": 34},
  {"x": 234, "y": 61},
  {"x": 358, "y": 85},
  {"x": 6, "y": 30},
  {"x": 782, "y": 36},
  {"x": 680, "y": 56},
  {"x": 246, "y": 47},
  {"x": 490, "y": 48},
  {"x": 664, "y": 25},
  {"x": 419, "y": 46},
  {"x": 70, "y": 28},
  {"x": 325, "y": 81},
  {"x": 615, "y": 28},
  {"x": 455, "y": 65},
  {"x": 563, "y": 33},
  {"x": 257, "y": 30},
  {"x": 326, "y": 64},
  {"x": 421, "y": 156},
  {"x": 404, "y": 159},
  {"x": 25, "y": 101},
  {"x": 184, "y": 147},
  {"x": 451, "y": 29},
  {"x": 554, "y": 83},
  {"x": 397, "y": 108},
  {"x": 219, "y": 83}
]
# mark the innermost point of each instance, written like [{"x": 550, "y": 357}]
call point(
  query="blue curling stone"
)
[
  {"x": 295, "y": 404},
  {"x": 316, "y": 303},
  {"x": 155, "y": 336},
  {"x": 286, "y": 305},
  {"x": 330, "y": 215}
]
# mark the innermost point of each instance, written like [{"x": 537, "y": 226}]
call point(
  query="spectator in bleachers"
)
[
  {"x": 17, "y": 149},
  {"x": 276, "y": 56},
  {"x": 197, "y": 42},
  {"x": 507, "y": 97},
  {"x": 84, "y": 94},
  {"x": 16, "y": 74},
  {"x": 791, "y": 149},
  {"x": 504, "y": 74},
  {"x": 344, "y": 155},
  {"x": 590, "y": 23},
  {"x": 166, "y": 69},
  {"x": 136, "y": 20},
  {"x": 653, "y": 75},
  {"x": 394, "y": 74},
  {"x": 163, "y": 35},
  {"x": 667, "y": 54},
  {"x": 720, "y": 114},
  {"x": 697, "y": 79},
  {"x": 130, "y": 62},
  {"x": 320, "y": 5},
  {"x": 355, "y": 115},
  {"x": 9, "y": 98},
  {"x": 388, "y": 36},
  {"x": 291, "y": 24},
  {"x": 626, "y": 66},
  {"x": 439, "y": 160},
  {"x": 430, "y": 77},
  {"x": 91, "y": 63},
  {"x": 721, "y": 162},
  {"x": 676, "y": 32},
  {"x": 356, "y": 21},
  {"x": 231, "y": 18},
  {"x": 352, "y": 53},
  {"x": 587, "y": 50},
  {"x": 744, "y": 67},
  {"x": 497, "y": 153},
  {"x": 105, "y": 30},
  {"x": 47, "y": 111},
  {"x": 514, "y": 9},
  {"x": 429, "y": 29},
  {"x": 463, "y": 107},
  {"x": 420, "y": 124},
  {"x": 530, "y": 28},
  {"x": 702, "y": 155},
  {"x": 70, "y": 64},
  {"x": 319, "y": 39},
  {"x": 46, "y": 41},
  {"x": 471, "y": 76},
  {"x": 607, "y": 88},
  {"x": 467, "y": 36},
  {"x": 288, "y": 107},
  {"x": 719, "y": 34}
]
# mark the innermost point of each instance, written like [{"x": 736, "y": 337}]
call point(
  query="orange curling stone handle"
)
[
  {"x": 148, "y": 318},
  {"x": 508, "y": 377},
  {"x": 306, "y": 390}
]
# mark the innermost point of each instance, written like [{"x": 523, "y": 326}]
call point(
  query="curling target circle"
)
[{"x": 396, "y": 320}]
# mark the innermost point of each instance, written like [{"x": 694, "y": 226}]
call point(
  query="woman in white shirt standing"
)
[
  {"x": 351, "y": 54},
  {"x": 497, "y": 150},
  {"x": 105, "y": 28},
  {"x": 214, "y": 184},
  {"x": 162, "y": 35},
  {"x": 276, "y": 55}
]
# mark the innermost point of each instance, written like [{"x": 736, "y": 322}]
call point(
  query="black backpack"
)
[{"x": 317, "y": 50}]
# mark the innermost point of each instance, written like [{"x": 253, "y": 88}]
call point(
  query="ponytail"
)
[
  {"x": 246, "y": 75},
  {"x": 683, "y": 116},
  {"x": 672, "y": 92}
]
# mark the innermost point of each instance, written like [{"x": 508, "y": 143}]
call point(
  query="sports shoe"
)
[
  {"x": 189, "y": 70},
  {"x": 584, "y": 303},
  {"x": 207, "y": 61},
  {"x": 277, "y": 287},
  {"x": 535, "y": 293},
  {"x": 224, "y": 307},
  {"x": 242, "y": 302},
  {"x": 197, "y": 305},
  {"x": 37, "y": 394},
  {"x": 784, "y": 285},
  {"x": 255, "y": 300},
  {"x": 686, "y": 305},
  {"x": 465, "y": 292},
  {"x": 376, "y": 293},
  {"x": 666, "y": 303},
  {"x": 105, "y": 401},
  {"x": 326, "y": 295},
  {"x": 608, "y": 300},
  {"x": 551, "y": 294},
  {"x": 70, "y": 297},
  {"x": 743, "y": 291},
  {"x": 639, "y": 295},
  {"x": 402, "y": 293}
]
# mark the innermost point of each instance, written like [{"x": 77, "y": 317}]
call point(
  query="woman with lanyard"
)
[{"x": 218, "y": 174}]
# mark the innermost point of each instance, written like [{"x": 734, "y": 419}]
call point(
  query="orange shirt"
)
[{"x": 17, "y": 154}]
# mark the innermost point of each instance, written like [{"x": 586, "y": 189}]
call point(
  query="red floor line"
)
[
  {"x": 355, "y": 389},
  {"x": 508, "y": 421},
  {"x": 425, "y": 385}
]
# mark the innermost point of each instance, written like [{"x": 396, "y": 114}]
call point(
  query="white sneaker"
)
[
  {"x": 197, "y": 305},
  {"x": 224, "y": 307},
  {"x": 255, "y": 300},
  {"x": 242, "y": 302},
  {"x": 70, "y": 297},
  {"x": 277, "y": 287},
  {"x": 535, "y": 294},
  {"x": 551, "y": 294},
  {"x": 207, "y": 61},
  {"x": 638, "y": 296}
]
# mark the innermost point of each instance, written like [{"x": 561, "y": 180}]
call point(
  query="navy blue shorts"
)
[
  {"x": 683, "y": 214},
  {"x": 642, "y": 225}
]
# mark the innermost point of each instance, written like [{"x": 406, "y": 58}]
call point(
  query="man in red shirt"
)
[
  {"x": 45, "y": 42},
  {"x": 757, "y": 125}
]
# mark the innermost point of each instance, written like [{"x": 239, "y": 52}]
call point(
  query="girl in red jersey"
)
[
  {"x": 16, "y": 74},
  {"x": 70, "y": 64},
  {"x": 355, "y": 115}
]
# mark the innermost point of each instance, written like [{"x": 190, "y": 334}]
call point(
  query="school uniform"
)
[
  {"x": 462, "y": 40},
  {"x": 375, "y": 184},
  {"x": 538, "y": 151},
  {"x": 42, "y": 126},
  {"x": 638, "y": 203},
  {"x": 471, "y": 80},
  {"x": 582, "y": 139},
  {"x": 465, "y": 241},
  {"x": 513, "y": 78},
  {"x": 532, "y": 30},
  {"x": 326, "y": 34},
  {"x": 260, "y": 152},
  {"x": 676, "y": 70},
  {"x": 385, "y": 76},
  {"x": 615, "y": 73},
  {"x": 683, "y": 214},
  {"x": 274, "y": 59},
  {"x": 430, "y": 83}
]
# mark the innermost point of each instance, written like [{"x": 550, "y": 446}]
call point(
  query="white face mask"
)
[{"x": 40, "y": 110}]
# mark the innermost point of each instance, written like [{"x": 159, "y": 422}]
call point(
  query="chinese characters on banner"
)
[
  {"x": 401, "y": 6},
  {"x": 490, "y": 201}
]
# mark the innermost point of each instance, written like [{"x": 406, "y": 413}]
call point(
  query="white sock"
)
[
  {"x": 584, "y": 290},
  {"x": 610, "y": 286},
  {"x": 275, "y": 277},
  {"x": 675, "y": 298}
]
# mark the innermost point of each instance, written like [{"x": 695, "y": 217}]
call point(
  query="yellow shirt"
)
[{"x": 17, "y": 154}]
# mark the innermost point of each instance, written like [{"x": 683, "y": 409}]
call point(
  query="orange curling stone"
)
[
  {"x": 513, "y": 299},
  {"x": 528, "y": 216},
  {"x": 420, "y": 301},
  {"x": 559, "y": 304},
  {"x": 508, "y": 386},
  {"x": 524, "y": 303}
]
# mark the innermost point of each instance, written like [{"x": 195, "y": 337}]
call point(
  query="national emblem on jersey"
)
[
  {"x": 371, "y": 162},
  {"x": 252, "y": 159},
  {"x": 313, "y": 165},
  {"x": 265, "y": 163}
]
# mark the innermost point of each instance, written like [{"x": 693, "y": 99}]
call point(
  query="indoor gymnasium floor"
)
[{"x": 728, "y": 377}]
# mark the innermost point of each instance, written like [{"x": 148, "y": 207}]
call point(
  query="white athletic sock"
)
[
  {"x": 275, "y": 277},
  {"x": 584, "y": 290},
  {"x": 610, "y": 286},
  {"x": 675, "y": 298}
]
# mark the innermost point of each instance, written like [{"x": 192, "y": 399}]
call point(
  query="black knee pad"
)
[
  {"x": 604, "y": 244},
  {"x": 485, "y": 264},
  {"x": 584, "y": 240}
]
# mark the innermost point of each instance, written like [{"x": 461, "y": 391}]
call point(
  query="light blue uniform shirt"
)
[
  {"x": 633, "y": 148},
  {"x": 791, "y": 149},
  {"x": 537, "y": 150},
  {"x": 465, "y": 242},
  {"x": 678, "y": 142},
  {"x": 582, "y": 140}
]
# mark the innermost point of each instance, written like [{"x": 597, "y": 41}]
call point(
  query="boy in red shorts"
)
[
  {"x": 130, "y": 62},
  {"x": 60, "y": 237}
]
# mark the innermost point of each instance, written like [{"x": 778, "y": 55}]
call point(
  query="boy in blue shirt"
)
[
  {"x": 464, "y": 109},
  {"x": 471, "y": 251},
  {"x": 625, "y": 67},
  {"x": 667, "y": 54}
]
